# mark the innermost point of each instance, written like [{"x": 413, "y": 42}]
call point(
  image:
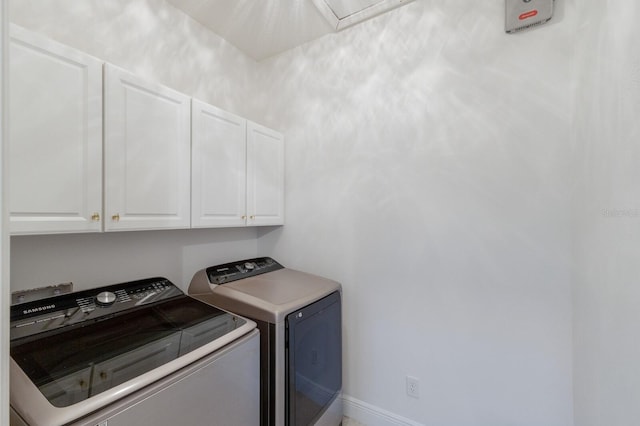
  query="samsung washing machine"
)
[
  {"x": 134, "y": 353},
  {"x": 300, "y": 321}
]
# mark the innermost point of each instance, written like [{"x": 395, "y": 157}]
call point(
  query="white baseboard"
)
[{"x": 370, "y": 415}]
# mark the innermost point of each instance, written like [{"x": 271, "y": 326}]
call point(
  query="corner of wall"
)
[{"x": 4, "y": 232}]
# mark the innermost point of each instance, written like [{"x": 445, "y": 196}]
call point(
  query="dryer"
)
[{"x": 299, "y": 316}]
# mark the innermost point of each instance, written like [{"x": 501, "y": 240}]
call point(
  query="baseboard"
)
[{"x": 370, "y": 415}]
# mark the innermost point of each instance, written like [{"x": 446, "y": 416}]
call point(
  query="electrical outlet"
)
[{"x": 413, "y": 387}]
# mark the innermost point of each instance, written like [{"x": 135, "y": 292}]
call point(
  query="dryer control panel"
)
[{"x": 229, "y": 272}]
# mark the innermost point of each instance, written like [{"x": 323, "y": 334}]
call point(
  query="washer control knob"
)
[
  {"x": 249, "y": 266},
  {"x": 105, "y": 298}
]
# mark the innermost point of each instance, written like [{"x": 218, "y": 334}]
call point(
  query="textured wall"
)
[
  {"x": 428, "y": 171},
  {"x": 607, "y": 216},
  {"x": 150, "y": 38}
]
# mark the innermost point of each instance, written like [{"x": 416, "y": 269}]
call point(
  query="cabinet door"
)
[
  {"x": 218, "y": 163},
  {"x": 265, "y": 176},
  {"x": 147, "y": 161},
  {"x": 55, "y": 137}
]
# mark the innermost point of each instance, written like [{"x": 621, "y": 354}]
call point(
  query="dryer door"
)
[{"x": 313, "y": 359}]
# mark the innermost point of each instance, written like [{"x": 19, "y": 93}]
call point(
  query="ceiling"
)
[
  {"x": 260, "y": 28},
  {"x": 263, "y": 28}
]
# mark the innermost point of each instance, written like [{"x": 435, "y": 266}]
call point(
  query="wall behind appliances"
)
[
  {"x": 428, "y": 171},
  {"x": 156, "y": 41},
  {"x": 91, "y": 260},
  {"x": 607, "y": 216}
]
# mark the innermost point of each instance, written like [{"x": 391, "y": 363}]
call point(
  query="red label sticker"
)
[{"x": 529, "y": 14}]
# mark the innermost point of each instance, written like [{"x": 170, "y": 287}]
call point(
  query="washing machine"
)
[
  {"x": 134, "y": 353},
  {"x": 299, "y": 316}
]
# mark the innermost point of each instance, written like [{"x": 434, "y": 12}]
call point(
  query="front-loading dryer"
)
[{"x": 299, "y": 316}]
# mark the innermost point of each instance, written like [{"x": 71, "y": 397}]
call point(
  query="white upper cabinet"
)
[
  {"x": 237, "y": 170},
  {"x": 218, "y": 167},
  {"x": 152, "y": 159},
  {"x": 265, "y": 176},
  {"x": 55, "y": 137},
  {"x": 146, "y": 154}
]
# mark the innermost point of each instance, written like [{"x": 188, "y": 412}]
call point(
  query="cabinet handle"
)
[
  {"x": 95, "y": 217},
  {"x": 244, "y": 216},
  {"x": 252, "y": 217},
  {"x": 116, "y": 217}
]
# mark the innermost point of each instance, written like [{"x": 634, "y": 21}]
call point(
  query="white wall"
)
[
  {"x": 4, "y": 231},
  {"x": 428, "y": 171},
  {"x": 155, "y": 40},
  {"x": 607, "y": 216},
  {"x": 150, "y": 38},
  {"x": 92, "y": 260}
]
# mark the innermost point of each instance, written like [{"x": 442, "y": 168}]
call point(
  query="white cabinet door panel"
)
[
  {"x": 147, "y": 154},
  {"x": 55, "y": 140},
  {"x": 218, "y": 167},
  {"x": 265, "y": 176}
]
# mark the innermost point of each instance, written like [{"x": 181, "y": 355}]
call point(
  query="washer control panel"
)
[
  {"x": 241, "y": 269},
  {"x": 68, "y": 309}
]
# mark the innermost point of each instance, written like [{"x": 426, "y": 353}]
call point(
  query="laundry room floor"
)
[{"x": 346, "y": 421}]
